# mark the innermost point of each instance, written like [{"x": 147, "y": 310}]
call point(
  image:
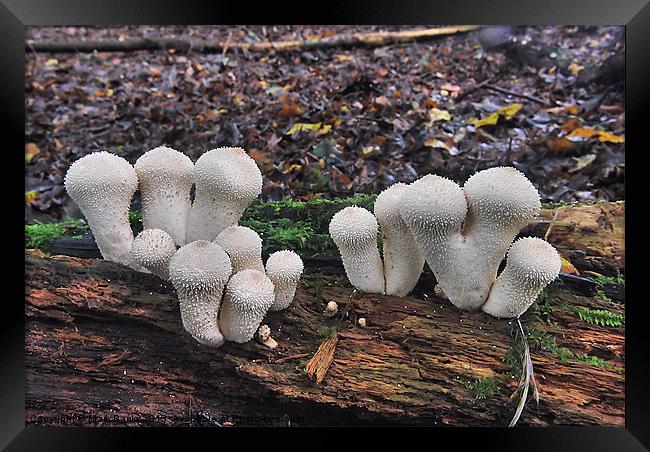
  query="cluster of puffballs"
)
[
  {"x": 463, "y": 234},
  {"x": 215, "y": 265}
]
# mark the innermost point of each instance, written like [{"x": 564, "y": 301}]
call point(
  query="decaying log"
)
[
  {"x": 185, "y": 45},
  {"x": 105, "y": 346}
]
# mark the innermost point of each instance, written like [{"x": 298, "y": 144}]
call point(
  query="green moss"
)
[
  {"x": 484, "y": 387},
  {"x": 602, "y": 280},
  {"x": 42, "y": 235},
  {"x": 325, "y": 332}
]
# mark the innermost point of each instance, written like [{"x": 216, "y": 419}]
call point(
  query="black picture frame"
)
[{"x": 634, "y": 14}]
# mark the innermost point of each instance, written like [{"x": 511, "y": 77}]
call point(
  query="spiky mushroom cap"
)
[
  {"x": 199, "y": 272},
  {"x": 102, "y": 185},
  {"x": 354, "y": 231},
  {"x": 284, "y": 268},
  {"x": 165, "y": 177},
  {"x": 403, "y": 261},
  {"x": 227, "y": 180},
  {"x": 243, "y": 245},
  {"x": 249, "y": 295},
  {"x": 153, "y": 249},
  {"x": 502, "y": 196},
  {"x": 434, "y": 216},
  {"x": 531, "y": 265}
]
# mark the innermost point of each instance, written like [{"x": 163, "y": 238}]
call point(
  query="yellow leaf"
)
[
  {"x": 603, "y": 137},
  {"x": 30, "y": 197},
  {"x": 345, "y": 108},
  {"x": 438, "y": 115},
  {"x": 582, "y": 162},
  {"x": 263, "y": 84},
  {"x": 575, "y": 68},
  {"x": 505, "y": 112},
  {"x": 317, "y": 127},
  {"x": 52, "y": 62}
]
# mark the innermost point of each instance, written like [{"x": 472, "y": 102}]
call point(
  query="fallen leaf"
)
[
  {"x": 567, "y": 267},
  {"x": 560, "y": 145},
  {"x": 582, "y": 162},
  {"x": 381, "y": 101},
  {"x": 317, "y": 127},
  {"x": 438, "y": 115},
  {"x": 31, "y": 197},
  {"x": 575, "y": 68},
  {"x": 505, "y": 112},
  {"x": 603, "y": 137},
  {"x": 31, "y": 151}
]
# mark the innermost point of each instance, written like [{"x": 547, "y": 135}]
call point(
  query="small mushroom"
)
[
  {"x": 153, "y": 249},
  {"x": 331, "y": 309},
  {"x": 102, "y": 185},
  {"x": 362, "y": 322},
  {"x": 249, "y": 295},
  {"x": 165, "y": 177},
  {"x": 354, "y": 231},
  {"x": 532, "y": 264},
  {"x": 243, "y": 245},
  {"x": 264, "y": 337},
  {"x": 284, "y": 268},
  {"x": 403, "y": 261},
  {"x": 199, "y": 272},
  {"x": 227, "y": 180}
]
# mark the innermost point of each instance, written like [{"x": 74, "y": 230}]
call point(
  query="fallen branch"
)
[
  {"x": 188, "y": 45},
  {"x": 319, "y": 364},
  {"x": 515, "y": 94}
]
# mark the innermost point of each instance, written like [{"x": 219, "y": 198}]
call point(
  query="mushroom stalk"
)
[
  {"x": 403, "y": 261},
  {"x": 199, "y": 272},
  {"x": 248, "y": 297},
  {"x": 102, "y": 185},
  {"x": 227, "y": 180},
  {"x": 354, "y": 231},
  {"x": 165, "y": 177},
  {"x": 532, "y": 264}
]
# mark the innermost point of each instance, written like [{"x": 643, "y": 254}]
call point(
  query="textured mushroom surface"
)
[
  {"x": 403, "y": 261},
  {"x": 102, "y": 185},
  {"x": 243, "y": 245},
  {"x": 199, "y": 271},
  {"x": 284, "y": 268},
  {"x": 153, "y": 249},
  {"x": 532, "y": 264},
  {"x": 227, "y": 180},
  {"x": 165, "y": 178},
  {"x": 464, "y": 233},
  {"x": 249, "y": 295},
  {"x": 354, "y": 231}
]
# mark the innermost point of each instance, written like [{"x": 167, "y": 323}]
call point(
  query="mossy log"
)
[{"x": 105, "y": 346}]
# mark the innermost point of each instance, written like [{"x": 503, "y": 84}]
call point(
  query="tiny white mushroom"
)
[
  {"x": 264, "y": 337},
  {"x": 102, "y": 185},
  {"x": 153, "y": 249},
  {"x": 362, "y": 322},
  {"x": 354, "y": 231},
  {"x": 531, "y": 265},
  {"x": 243, "y": 245},
  {"x": 403, "y": 261},
  {"x": 227, "y": 180},
  {"x": 249, "y": 295},
  {"x": 284, "y": 268},
  {"x": 199, "y": 272},
  {"x": 331, "y": 309},
  {"x": 165, "y": 177}
]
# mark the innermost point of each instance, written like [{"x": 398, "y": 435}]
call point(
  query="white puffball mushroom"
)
[
  {"x": 403, "y": 261},
  {"x": 243, "y": 245},
  {"x": 102, "y": 185},
  {"x": 331, "y": 309},
  {"x": 464, "y": 233},
  {"x": 354, "y": 231},
  {"x": 264, "y": 337},
  {"x": 362, "y": 322},
  {"x": 199, "y": 272},
  {"x": 227, "y": 180},
  {"x": 284, "y": 268},
  {"x": 153, "y": 249},
  {"x": 531, "y": 265},
  {"x": 249, "y": 295},
  {"x": 165, "y": 177}
]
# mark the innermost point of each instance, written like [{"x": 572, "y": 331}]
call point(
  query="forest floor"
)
[{"x": 335, "y": 121}]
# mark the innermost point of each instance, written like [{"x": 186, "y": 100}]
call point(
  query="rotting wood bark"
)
[
  {"x": 105, "y": 346},
  {"x": 185, "y": 45}
]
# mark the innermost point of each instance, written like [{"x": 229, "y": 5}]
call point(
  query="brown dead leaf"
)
[
  {"x": 31, "y": 151},
  {"x": 560, "y": 145}
]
